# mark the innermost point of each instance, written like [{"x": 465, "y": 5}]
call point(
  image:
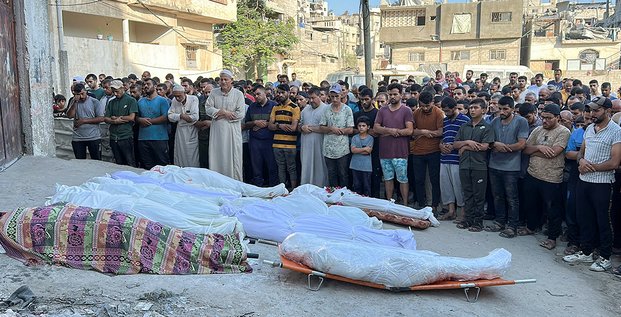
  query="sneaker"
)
[
  {"x": 572, "y": 249},
  {"x": 578, "y": 257},
  {"x": 601, "y": 265}
]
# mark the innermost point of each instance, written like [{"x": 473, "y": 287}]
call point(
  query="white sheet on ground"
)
[
  {"x": 266, "y": 220},
  {"x": 348, "y": 198},
  {"x": 193, "y": 175},
  {"x": 169, "y": 209},
  {"x": 194, "y": 189},
  {"x": 389, "y": 266}
]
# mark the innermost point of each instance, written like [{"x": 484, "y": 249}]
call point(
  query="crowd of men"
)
[{"x": 527, "y": 157}]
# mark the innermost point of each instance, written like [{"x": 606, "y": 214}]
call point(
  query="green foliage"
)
[{"x": 256, "y": 36}]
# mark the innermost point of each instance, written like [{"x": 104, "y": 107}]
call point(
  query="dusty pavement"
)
[{"x": 561, "y": 290}]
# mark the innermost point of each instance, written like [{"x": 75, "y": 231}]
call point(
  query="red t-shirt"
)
[{"x": 389, "y": 146}]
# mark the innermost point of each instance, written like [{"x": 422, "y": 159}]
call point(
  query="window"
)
[
  {"x": 325, "y": 38},
  {"x": 587, "y": 60},
  {"x": 460, "y": 55},
  {"x": 417, "y": 57},
  {"x": 497, "y": 55},
  {"x": 501, "y": 17},
  {"x": 323, "y": 59},
  {"x": 420, "y": 20},
  {"x": 461, "y": 23},
  {"x": 190, "y": 56}
]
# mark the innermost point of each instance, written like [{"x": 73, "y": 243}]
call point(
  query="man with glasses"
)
[
  {"x": 87, "y": 113},
  {"x": 545, "y": 145},
  {"x": 120, "y": 115}
]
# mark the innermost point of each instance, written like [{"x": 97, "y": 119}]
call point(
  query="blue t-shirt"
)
[
  {"x": 448, "y": 136},
  {"x": 361, "y": 162},
  {"x": 575, "y": 140},
  {"x": 154, "y": 108},
  {"x": 508, "y": 134}
]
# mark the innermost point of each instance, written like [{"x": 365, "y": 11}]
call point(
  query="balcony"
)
[
  {"x": 206, "y": 11},
  {"x": 590, "y": 35}
]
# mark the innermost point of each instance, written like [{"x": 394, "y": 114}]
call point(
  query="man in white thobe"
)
[{"x": 184, "y": 110}]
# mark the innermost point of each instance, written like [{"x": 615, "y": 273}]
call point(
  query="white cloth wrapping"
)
[
  {"x": 389, "y": 266},
  {"x": 193, "y": 189},
  {"x": 267, "y": 220},
  {"x": 169, "y": 208},
  {"x": 190, "y": 175},
  {"x": 349, "y": 198}
]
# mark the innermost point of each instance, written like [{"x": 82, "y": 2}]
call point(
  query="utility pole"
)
[
  {"x": 366, "y": 29},
  {"x": 63, "y": 60}
]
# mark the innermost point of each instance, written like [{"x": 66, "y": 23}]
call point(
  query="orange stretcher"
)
[{"x": 465, "y": 285}]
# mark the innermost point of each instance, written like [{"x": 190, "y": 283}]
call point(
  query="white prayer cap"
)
[
  {"x": 226, "y": 72},
  {"x": 178, "y": 88}
]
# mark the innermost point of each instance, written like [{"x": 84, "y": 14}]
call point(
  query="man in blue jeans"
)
[
  {"x": 87, "y": 113},
  {"x": 510, "y": 132}
]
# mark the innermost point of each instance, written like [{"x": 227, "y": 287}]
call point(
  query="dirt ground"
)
[{"x": 561, "y": 289}]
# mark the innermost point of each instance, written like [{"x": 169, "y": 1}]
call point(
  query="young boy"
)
[
  {"x": 361, "y": 147},
  {"x": 473, "y": 140}
]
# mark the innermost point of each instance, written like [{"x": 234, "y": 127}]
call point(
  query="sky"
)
[{"x": 339, "y": 6}]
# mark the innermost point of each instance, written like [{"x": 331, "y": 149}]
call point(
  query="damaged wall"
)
[{"x": 35, "y": 76}]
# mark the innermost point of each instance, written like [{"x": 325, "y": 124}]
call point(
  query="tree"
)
[{"x": 256, "y": 37}]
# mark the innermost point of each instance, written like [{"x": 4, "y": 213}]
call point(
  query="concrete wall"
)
[
  {"x": 446, "y": 20},
  {"x": 407, "y": 31},
  {"x": 489, "y": 30},
  {"x": 550, "y": 49},
  {"x": 479, "y": 52},
  {"x": 35, "y": 76}
]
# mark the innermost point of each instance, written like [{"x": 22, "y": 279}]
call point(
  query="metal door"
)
[{"x": 10, "y": 120}]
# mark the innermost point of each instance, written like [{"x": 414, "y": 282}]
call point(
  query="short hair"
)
[
  {"x": 363, "y": 119},
  {"x": 163, "y": 86},
  {"x": 576, "y": 82},
  {"x": 606, "y": 85},
  {"x": 169, "y": 76},
  {"x": 59, "y": 98},
  {"x": 187, "y": 80},
  {"x": 416, "y": 87},
  {"x": 93, "y": 76},
  {"x": 412, "y": 102},
  {"x": 448, "y": 102},
  {"x": 539, "y": 75},
  {"x": 464, "y": 102},
  {"x": 344, "y": 83},
  {"x": 593, "y": 81},
  {"x": 527, "y": 108},
  {"x": 480, "y": 102},
  {"x": 106, "y": 81},
  {"x": 258, "y": 87},
  {"x": 149, "y": 79},
  {"x": 576, "y": 91},
  {"x": 438, "y": 88},
  {"x": 530, "y": 93},
  {"x": 506, "y": 101},
  {"x": 366, "y": 93},
  {"x": 554, "y": 100},
  {"x": 425, "y": 97},
  {"x": 463, "y": 90},
  {"x": 132, "y": 76},
  {"x": 506, "y": 90},
  {"x": 314, "y": 91},
  {"x": 577, "y": 106},
  {"x": 523, "y": 77},
  {"x": 513, "y": 73},
  {"x": 395, "y": 86}
]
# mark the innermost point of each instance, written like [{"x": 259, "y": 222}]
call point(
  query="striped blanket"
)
[{"x": 109, "y": 241}]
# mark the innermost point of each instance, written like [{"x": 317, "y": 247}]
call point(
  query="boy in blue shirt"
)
[{"x": 361, "y": 147}]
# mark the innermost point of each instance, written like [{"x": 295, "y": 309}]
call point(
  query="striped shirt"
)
[
  {"x": 448, "y": 136},
  {"x": 598, "y": 148},
  {"x": 285, "y": 114}
]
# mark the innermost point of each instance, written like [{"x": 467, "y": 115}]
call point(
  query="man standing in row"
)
[
  {"x": 261, "y": 139},
  {"x": 394, "y": 124},
  {"x": 153, "y": 133},
  {"x": 184, "y": 111},
  {"x": 227, "y": 108},
  {"x": 120, "y": 115},
  {"x": 203, "y": 124},
  {"x": 87, "y": 113},
  {"x": 314, "y": 170},
  {"x": 284, "y": 122}
]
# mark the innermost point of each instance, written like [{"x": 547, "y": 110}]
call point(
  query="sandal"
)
[
  {"x": 524, "y": 231},
  {"x": 463, "y": 225},
  {"x": 508, "y": 233},
  {"x": 475, "y": 228},
  {"x": 447, "y": 216},
  {"x": 495, "y": 227},
  {"x": 548, "y": 244}
]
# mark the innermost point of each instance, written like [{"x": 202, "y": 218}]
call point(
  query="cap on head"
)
[
  {"x": 178, "y": 88},
  {"x": 116, "y": 84},
  {"x": 552, "y": 108},
  {"x": 226, "y": 72},
  {"x": 78, "y": 79},
  {"x": 336, "y": 88},
  {"x": 599, "y": 102}
]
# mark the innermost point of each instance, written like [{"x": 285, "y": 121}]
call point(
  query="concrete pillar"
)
[{"x": 125, "y": 30}]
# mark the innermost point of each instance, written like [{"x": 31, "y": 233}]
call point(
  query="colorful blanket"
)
[{"x": 109, "y": 241}]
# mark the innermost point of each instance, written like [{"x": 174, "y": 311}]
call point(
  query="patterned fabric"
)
[{"x": 109, "y": 241}]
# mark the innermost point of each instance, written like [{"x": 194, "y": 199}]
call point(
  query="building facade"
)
[
  {"x": 118, "y": 37},
  {"x": 453, "y": 34}
]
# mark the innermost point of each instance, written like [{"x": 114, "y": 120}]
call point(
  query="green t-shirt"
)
[
  {"x": 99, "y": 93},
  {"x": 121, "y": 107}
]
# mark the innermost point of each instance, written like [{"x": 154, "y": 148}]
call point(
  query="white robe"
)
[
  {"x": 314, "y": 170},
  {"x": 186, "y": 137},
  {"x": 225, "y": 137}
]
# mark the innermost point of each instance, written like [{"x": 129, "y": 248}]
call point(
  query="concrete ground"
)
[{"x": 561, "y": 289}]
